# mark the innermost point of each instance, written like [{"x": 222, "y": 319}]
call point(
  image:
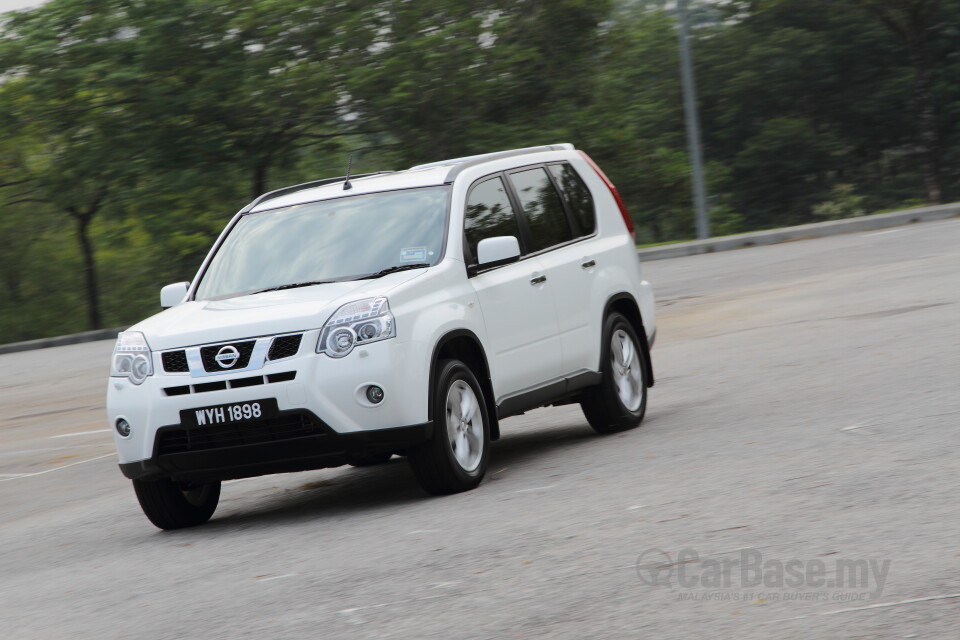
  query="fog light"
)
[
  {"x": 374, "y": 394},
  {"x": 123, "y": 427}
]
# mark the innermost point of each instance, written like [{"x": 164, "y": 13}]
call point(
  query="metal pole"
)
[{"x": 693, "y": 123}]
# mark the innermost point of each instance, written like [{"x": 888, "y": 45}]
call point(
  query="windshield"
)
[{"x": 342, "y": 239}]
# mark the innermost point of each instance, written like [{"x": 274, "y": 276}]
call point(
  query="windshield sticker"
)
[{"x": 413, "y": 254}]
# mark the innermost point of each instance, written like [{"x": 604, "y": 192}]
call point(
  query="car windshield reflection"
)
[{"x": 348, "y": 238}]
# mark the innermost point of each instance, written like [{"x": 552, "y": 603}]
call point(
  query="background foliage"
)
[{"x": 130, "y": 130}]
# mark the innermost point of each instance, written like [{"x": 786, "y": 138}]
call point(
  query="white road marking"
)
[
  {"x": 714, "y": 554},
  {"x": 66, "y": 466},
  {"x": 79, "y": 433},
  {"x": 877, "y": 233},
  {"x": 858, "y": 427},
  {"x": 737, "y": 550},
  {"x": 16, "y": 452},
  {"x": 440, "y": 585},
  {"x": 416, "y": 531},
  {"x": 390, "y": 604},
  {"x": 636, "y": 506},
  {"x": 881, "y": 605},
  {"x": 269, "y": 578},
  {"x": 549, "y": 486}
]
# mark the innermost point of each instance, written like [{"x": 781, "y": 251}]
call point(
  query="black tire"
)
[
  {"x": 371, "y": 459},
  {"x": 603, "y": 405},
  {"x": 175, "y": 505},
  {"x": 438, "y": 464}
]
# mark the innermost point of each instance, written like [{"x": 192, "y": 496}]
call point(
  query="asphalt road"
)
[{"x": 805, "y": 414}]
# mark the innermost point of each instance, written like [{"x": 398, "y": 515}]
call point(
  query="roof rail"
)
[
  {"x": 468, "y": 161},
  {"x": 270, "y": 195}
]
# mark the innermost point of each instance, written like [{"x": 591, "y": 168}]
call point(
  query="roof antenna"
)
[{"x": 346, "y": 180}]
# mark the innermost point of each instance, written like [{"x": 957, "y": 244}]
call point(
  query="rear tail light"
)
[{"x": 616, "y": 195}]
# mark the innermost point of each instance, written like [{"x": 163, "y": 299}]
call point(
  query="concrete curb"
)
[
  {"x": 724, "y": 243},
  {"x": 815, "y": 230},
  {"x": 58, "y": 341}
]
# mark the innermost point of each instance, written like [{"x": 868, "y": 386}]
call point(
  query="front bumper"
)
[
  {"x": 325, "y": 395},
  {"x": 293, "y": 441}
]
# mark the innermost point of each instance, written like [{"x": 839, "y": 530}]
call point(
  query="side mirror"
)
[
  {"x": 173, "y": 294},
  {"x": 497, "y": 250}
]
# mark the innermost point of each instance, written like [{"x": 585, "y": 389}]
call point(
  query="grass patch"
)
[{"x": 660, "y": 244}]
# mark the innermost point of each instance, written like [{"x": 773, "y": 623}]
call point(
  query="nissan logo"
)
[{"x": 227, "y": 356}]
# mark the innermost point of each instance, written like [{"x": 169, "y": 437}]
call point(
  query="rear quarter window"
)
[{"x": 577, "y": 196}]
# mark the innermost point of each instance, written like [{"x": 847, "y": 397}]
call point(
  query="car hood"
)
[{"x": 287, "y": 311}]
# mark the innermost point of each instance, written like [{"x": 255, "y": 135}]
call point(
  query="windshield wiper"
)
[
  {"x": 310, "y": 283},
  {"x": 394, "y": 269},
  {"x": 295, "y": 285}
]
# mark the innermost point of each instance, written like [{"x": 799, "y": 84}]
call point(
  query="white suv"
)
[{"x": 346, "y": 320}]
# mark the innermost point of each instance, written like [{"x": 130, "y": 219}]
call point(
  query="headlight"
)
[
  {"x": 356, "y": 323},
  {"x": 131, "y": 357}
]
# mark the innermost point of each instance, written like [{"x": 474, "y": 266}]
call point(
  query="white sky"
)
[{"x": 11, "y": 5}]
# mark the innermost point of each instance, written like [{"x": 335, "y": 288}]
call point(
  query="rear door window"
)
[
  {"x": 578, "y": 197},
  {"x": 542, "y": 209}
]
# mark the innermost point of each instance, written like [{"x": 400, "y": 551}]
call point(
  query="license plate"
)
[{"x": 233, "y": 413}]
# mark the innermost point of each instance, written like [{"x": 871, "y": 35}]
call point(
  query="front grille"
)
[
  {"x": 178, "y": 391},
  {"x": 236, "y": 383},
  {"x": 284, "y": 347},
  {"x": 175, "y": 361},
  {"x": 204, "y": 387},
  {"x": 284, "y": 427},
  {"x": 208, "y": 355}
]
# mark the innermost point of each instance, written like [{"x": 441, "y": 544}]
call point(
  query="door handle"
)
[
  {"x": 589, "y": 263},
  {"x": 538, "y": 280}
]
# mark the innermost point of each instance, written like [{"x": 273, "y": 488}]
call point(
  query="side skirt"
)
[{"x": 553, "y": 392}]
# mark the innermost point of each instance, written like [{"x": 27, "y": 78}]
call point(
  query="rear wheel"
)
[
  {"x": 455, "y": 459},
  {"x": 174, "y": 505},
  {"x": 620, "y": 400}
]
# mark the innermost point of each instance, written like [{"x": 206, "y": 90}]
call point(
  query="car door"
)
[
  {"x": 523, "y": 348},
  {"x": 553, "y": 232}
]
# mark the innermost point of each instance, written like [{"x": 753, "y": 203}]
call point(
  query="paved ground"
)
[{"x": 805, "y": 413}]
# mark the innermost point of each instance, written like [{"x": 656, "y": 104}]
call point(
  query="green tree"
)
[
  {"x": 454, "y": 77},
  {"x": 634, "y": 126},
  {"x": 798, "y": 96},
  {"x": 231, "y": 86},
  {"x": 131, "y": 130},
  {"x": 64, "y": 107},
  {"x": 919, "y": 25},
  {"x": 109, "y": 95}
]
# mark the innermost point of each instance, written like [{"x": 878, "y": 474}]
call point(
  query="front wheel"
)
[
  {"x": 620, "y": 400},
  {"x": 174, "y": 505},
  {"x": 455, "y": 458}
]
